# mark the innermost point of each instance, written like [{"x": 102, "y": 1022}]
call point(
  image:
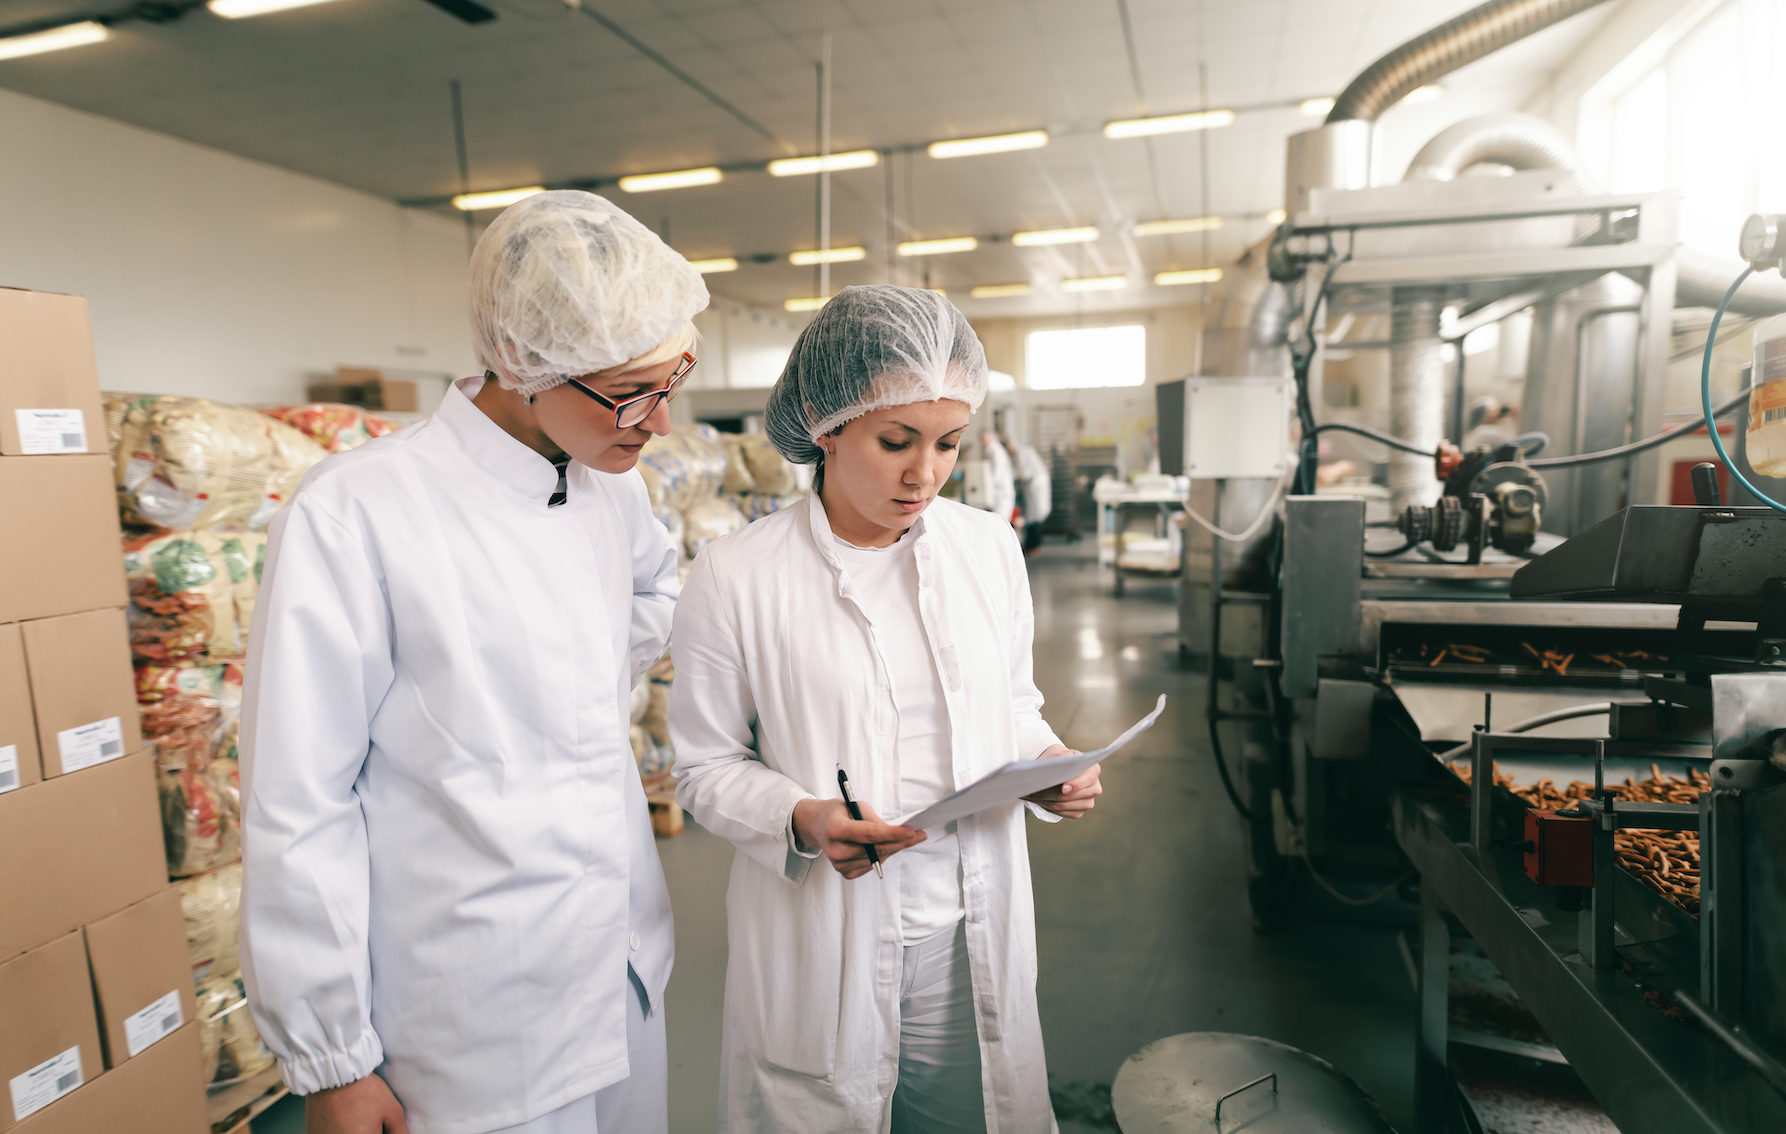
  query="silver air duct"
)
[
  {"x": 1416, "y": 393},
  {"x": 1478, "y": 32}
]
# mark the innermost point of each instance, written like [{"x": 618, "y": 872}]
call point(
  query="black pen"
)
[{"x": 849, "y": 801}]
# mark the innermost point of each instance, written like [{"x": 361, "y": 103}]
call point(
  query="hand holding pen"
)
[{"x": 848, "y": 832}]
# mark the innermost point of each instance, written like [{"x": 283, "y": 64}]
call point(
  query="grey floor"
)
[{"x": 1142, "y": 927}]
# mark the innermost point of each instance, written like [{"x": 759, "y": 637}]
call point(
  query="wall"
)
[{"x": 211, "y": 275}]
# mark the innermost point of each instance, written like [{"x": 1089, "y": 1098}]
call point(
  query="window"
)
[
  {"x": 1080, "y": 358},
  {"x": 1690, "y": 117}
]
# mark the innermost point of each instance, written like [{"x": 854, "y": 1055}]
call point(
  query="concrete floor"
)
[{"x": 1143, "y": 927}]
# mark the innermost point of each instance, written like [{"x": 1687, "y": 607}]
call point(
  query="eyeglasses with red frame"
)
[{"x": 633, "y": 411}]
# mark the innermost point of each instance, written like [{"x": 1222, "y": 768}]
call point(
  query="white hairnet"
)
[
  {"x": 565, "y": 284},
  {"x": 867, "y": 349}
]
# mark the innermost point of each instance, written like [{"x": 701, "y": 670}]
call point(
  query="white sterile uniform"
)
[
  {"x": 450, "y": 871},
  {"x": 782, "y": 672},
  {"x": 1038, "y": 484},
  {"x": 1004, "y": 482}
]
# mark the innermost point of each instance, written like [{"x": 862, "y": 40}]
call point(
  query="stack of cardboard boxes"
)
[{"x": 98, "y": 1023}]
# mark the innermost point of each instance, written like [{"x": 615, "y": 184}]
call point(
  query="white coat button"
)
[{"x": 635, "y": 943}]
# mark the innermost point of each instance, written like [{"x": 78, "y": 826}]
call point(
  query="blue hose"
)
[{"x": 1705, "y": 398}]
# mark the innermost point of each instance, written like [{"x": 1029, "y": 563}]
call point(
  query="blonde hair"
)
[{"x": 684, "y": 339}]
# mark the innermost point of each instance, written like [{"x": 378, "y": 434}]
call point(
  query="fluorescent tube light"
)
[
  {"x": 495, "y": 199},
  {"x": 1188, "y": 276},
  {"x": 722, "y": 264},
  {"x": 938, "y": 247},
  {"x": 53, "y": 39},
  {"x": 1168, "y": 124},
  {"x": 852, "y": 159},
  {"x": 827, "y": 256},
  {"x": 996, "y": 144},
  {"x": 1000, "y": 291},
  {"x": 1316, "y": 107},
  {"x": 1095, "y": 283},
  {"x": 676, "y": 179},
  {"x": 1174, "y": 227},
  {"x": 812, "y": 304},
  {"x": 237, "y": 9},
  {"x": 1276, "y": 217},
  {"x": 1044, "y": 236}
]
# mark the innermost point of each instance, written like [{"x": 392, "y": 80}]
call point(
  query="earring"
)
[{"x": 527, "y": 400}]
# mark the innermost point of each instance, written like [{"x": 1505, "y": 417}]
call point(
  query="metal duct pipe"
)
[
  {"x": 1478, "y": 32},
  {"x": 1519, "y": 141},
  {"x": 1416, "y": 393},
  {"x": 1701, "y": 278}
]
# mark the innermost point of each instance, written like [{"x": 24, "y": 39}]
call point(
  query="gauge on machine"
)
[{"x": 1760, "y": 241}]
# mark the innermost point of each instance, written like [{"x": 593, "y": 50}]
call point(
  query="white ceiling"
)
[{"x": 356, "y": 92}]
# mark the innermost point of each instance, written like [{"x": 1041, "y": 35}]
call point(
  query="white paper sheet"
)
[{"x": 1022, "y": 777}]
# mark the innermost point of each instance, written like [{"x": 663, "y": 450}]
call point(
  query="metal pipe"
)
[
  {"x": 1520, "y": 141},
  {"x": 1416, "y": 393},
  {"x": 1456, "y": 42}
]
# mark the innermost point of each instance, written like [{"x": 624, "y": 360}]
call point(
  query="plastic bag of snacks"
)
[
  {"x": 191, "y": 463},
  {"x": 710, "y": 519},
  {"x": 690, "y": 465},
  {"x": 212, "y": 906},
  {"x": 192, "y": 595},
  {"x": 190, "y": 713},
  {"x": 738, "y": 479},
  {"x": 770, "y": 472},
  {"x": 192, "y": 820},
  {"x": 336, "y": 427},
  {"x": 759, "y": 504},
  {"x": 233, "y": 1049},
  {"x": 673, "y": 523}
]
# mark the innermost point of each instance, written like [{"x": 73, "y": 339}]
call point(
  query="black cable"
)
[
  {"x": 1531, "y": 444},
  {"x": 1402, "y": 550},
  {"x": 1374, "y": 435},
  {"x": 1221, "y": 766},
  {"x": 1636, "y": 447}
]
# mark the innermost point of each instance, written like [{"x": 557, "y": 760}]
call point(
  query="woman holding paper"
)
[{"x": 876, "y": 629}]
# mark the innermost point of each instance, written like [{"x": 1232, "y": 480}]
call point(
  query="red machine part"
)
[{"x": 1559, "y": 849}]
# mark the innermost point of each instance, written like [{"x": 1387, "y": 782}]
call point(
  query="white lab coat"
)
[
  {"x": 771, "y": 641},
  {"x": 1004, "y": 482},
  {"x": 449, "y": 861},
  {"x": 1038, "y": 484}
]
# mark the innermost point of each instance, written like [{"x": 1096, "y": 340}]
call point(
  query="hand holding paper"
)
[{"x": 1021, "y": 778}]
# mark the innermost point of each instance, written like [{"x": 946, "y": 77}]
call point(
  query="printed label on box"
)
[
  {"x": 91, "y": 744},
  {"x": 45, "y": 1083},
  {"x": 162, "y": 1018},
  {"x": 9, "y": 767},
  {"x": 45, "y": 431}
]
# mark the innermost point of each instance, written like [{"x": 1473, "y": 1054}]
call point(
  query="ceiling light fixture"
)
[
  {"x": 676, "y": 179},
  {"x": 1316, "y": 107},
  {"x": 1189, "y": 276},
  {"x": 1095, "y": 283},
  {"x": 238, "y": 9},
  {"x": 1432, "y": 92},
  {"x": 812, "y": 304},
  {"x": 938, "y": 247},
  {"x": 721, "y": 264},
  {"x": 828, "y": 256},
  {"x": 1168, "y": 124},
  {"x": 54, "y": 39},
  {"x": 996, "y": 144},
  {"x": 1174, "y": 227},
  {"x": 1000, "y": 291},
  {"x": 852, "y": 159},
  {"x": 1276, "y": 217},
  {"x": 1040, "y": 237},
  {"x": 495, "y": 199}
]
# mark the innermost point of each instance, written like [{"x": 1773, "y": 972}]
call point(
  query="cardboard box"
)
[
  {"x": 368, "y": 389},
  {"x": 76, "y": 848},
  {"x": 159, "y": 1092},
  {"x": 18, "y": 724},
  {"x": 49, "y": 383},
  {"x": 62, "y": 551},
  {"x": 50, "y": 1044},
  {"x": 142, "y": 979},
  {"x": 82, "y": 689}
]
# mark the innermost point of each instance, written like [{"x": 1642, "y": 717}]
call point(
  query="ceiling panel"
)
[{"x": 356, "y": 92}]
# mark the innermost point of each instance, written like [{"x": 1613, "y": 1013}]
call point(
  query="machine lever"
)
[{"x": 1705, "y": 485}]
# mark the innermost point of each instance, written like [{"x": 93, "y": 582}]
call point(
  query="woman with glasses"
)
[
  {"x": 881, "y": 631},
  {"x": 453, "y": 916}
]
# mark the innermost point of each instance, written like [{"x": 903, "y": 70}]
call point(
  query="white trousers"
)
[
  {"x": 638, "y": 1104},
  {"x": 939, "y": 1089}
]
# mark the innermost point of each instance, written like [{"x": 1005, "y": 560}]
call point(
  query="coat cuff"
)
[
  {"x": 307, "y": 1074},
  {"x": 799, "y": 860},
  {"x": 1041, "y": 812}
]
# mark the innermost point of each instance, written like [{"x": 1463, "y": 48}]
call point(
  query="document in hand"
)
[{"x": 1023, "y": 777}]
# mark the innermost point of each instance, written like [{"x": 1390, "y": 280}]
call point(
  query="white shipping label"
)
[
  {"x": 45, "y": 1083},
  {"x": 91, "y": 744},
  {"x": 43, "y": 431},
  {"x": 162, "y": 1018},
  {"x": 9, "y": 767}
]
